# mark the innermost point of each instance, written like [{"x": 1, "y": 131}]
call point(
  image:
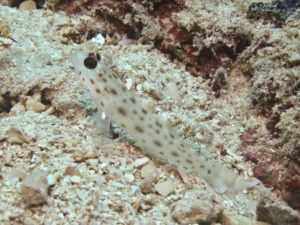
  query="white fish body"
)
[{"x": 151, "y": 134}]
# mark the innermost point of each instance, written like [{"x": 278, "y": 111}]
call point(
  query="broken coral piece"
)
[
  {"x": 34, "y": 188},
  {"x": 15, "y": 136}
]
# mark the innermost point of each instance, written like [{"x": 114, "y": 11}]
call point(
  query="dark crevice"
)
[{"x": 7, "y": 102}]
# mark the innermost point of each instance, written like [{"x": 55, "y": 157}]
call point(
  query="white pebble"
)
[
  {"x": 129, "y": 177},
  {"x": 173, "y": 91},
  {"x": 165, "y": 188},
  {"x": 103, "y": 165},
  {"x": 11, "y": 181},
  {"x": 99, "y": 39},
  {"x": 147, "y": 170},
  {"x": 93, "y": 162},
  {"x": 139, "y": 87},
  {"x": 51, "y": 179},
  {"x": 140, "y": 162},
  {"x": 134, "y": 189},
  {"x": 103, "y": 115},
  {"x": 128, "y": 83},
  {"x": 75, "y": 179}
]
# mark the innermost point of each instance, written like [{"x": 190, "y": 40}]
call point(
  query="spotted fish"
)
[{"x": 152, "y": 135}]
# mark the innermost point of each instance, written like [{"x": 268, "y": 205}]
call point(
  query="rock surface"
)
[
  {"x": 276, "y": 214},
  {"x": 34, "y": 188}
]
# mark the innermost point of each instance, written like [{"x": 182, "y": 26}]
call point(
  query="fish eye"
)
[{"x": 90, "y": 62}]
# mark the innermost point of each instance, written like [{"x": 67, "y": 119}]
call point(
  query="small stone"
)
[
  {"x": 51, "y": 180},
  {"x": 27, "y": 5},
  {"x": 172, "y": 90},
  {"x": 4, "y": 28},
  {"x": 78, "y": 156},
  {"x": 51, "y": 110},
  {"x": 72, "y": 171},
  {"x": 18, "y": 108},
  {"x": 146, "y": 184},
  {"x": 90, "y": 155},
  {"x": 294, "y": 59},
  {"x": 128, "y": 83},
  {"x": 93, "y": 162},
  {"x": 15, "y": 136},
  {"x": 139, "y": 87},
  {"x": 137, "y": 204},
  {"x": 140, "y": 162},
  {"x": 75, "y": 179},
  {"x": 197, "y": 207},
  {"x": 129, "y": 177},
  {"x": 152, "y": 199},
  {"x": 34, "y": 188},
  {"x": 99, "y": 39},
  {"x": 165, "y": 188},
  {"x": 74, "y": 142},
  {"x": 5, "y": 41},
  {"x": 15, "y": 172},
  {"x": 33, "y": 105},
  {"x": 148, "y": 169},
  {"x": 156, "y": 94},
  {"x": 11, "y": 181},
  {"x": 150, "y": 88},
  {"x": 134, "y": 189},
  {"x": 103, "y": 165},
  {"x": 231, "y": 219}
]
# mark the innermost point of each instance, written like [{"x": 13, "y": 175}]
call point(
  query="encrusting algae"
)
[{"x": 152, "y": 135}]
